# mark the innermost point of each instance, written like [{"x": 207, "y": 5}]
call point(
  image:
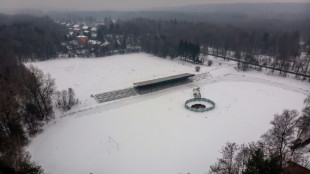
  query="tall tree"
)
[
  {"x": 225, "y": 165},
  {"x": 280, "y": 137},
  {"x": 39, "y": 89},
  {"x": 303, "y": 127}
]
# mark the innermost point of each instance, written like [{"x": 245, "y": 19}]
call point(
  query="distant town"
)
[{"x": 83, "y": 40}]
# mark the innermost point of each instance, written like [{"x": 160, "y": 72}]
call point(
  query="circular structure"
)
[{"x": 199, "y": 104}]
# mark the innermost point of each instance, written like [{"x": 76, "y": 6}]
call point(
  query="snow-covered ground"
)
[
  {"x": 96, "y": 75},
  {"x": 154, "y": 133}
]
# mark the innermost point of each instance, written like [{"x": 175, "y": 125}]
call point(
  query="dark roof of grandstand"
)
[{"x": 164, "y": 79}]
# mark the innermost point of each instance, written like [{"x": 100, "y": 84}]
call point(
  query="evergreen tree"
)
[{"x": 257, "y": 164}]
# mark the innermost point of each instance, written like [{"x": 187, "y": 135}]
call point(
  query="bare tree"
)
[
  {"x": 226, "y": 165},
  {"x": 66, "y": 99},
  {"x": 282, "y": 143},
  {"x": 197, "y": 68},
  {"x": 308, "y": 61},
  {"x": 40, "y": 88},
  {"x": 303, "y": 127},
  {"x": 279, "y": 138},
  {"x": 243, "y": 156}
]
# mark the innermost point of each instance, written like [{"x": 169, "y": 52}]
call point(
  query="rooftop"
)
[
  {"x": 81, "y": 36},
  {"x": 163, "y": 79}
]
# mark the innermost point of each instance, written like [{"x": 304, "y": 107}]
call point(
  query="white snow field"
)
[
  {"x": 154, "y": 133},
  {"x": 96, "y": 75}
]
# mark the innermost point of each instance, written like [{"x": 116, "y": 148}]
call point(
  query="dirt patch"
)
[{"x": 198, "y": 106}]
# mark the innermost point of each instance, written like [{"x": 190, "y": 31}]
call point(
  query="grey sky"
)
[{"x": 114, "y": 4}]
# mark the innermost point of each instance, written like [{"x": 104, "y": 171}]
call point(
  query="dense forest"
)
[
  {"x": 284, "y": 49},
  {"x": 276, "y": 48},
  {"x": 25, "y": 93},
  {"x": 31, "y": 38},
  {"x": 267, "y": 34}
]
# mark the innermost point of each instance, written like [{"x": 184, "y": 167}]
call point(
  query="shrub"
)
[
  {"x": 197, "y": 68},
  {"x": 210, "y": 62},
  {"x": 66, "y": 99}
]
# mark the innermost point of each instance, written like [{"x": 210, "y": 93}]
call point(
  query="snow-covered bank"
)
[{"x": 154, "y": 133}]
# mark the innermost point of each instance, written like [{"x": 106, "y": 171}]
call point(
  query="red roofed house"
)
[
  {"x": 294, "y": 168},
  {"x": 82, "y": 39}
]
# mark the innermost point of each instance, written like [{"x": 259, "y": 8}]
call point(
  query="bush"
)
[
  {"x": 24, "y": 166},
  {"x": 197, "y": 68},
  {"x": 28, "y": 167},
  {"x": 66, "y": 99},
  {"x": 210, "y": 62},
  {"x": 244, "y": 66}
]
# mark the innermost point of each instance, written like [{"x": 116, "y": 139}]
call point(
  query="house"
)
[
  {"x": 86, "y": 33},
  {"x": 76, "y": 29},
  {"x": 98, "y": 24},
  {"x": 94, "y": 29},
  {"x": 82, "y": 39},
  {"x": 106, "y": 43},
  {"x": 85, "y": 27},
  {"x": 94, "y": 42},
  {"x": 294, "y": 168},
  {"x": 94, "y": 35}
]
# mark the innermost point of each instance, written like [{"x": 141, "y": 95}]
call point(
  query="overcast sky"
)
[{"x": 115, "y": 4}]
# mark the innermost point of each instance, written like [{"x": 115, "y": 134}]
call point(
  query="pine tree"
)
[{"x": 257, "y": 164}]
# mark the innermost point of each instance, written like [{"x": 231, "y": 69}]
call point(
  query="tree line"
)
[
  {"x": 40, "y": 39},
  {"x": 284, "y": 142},
  {"x": 189, "y": 51},
  {"x": 32, "y": 38},
  {"x": 276, "y": 48},
  {"x": 25, "y": 92},
  {"x": 25, "y": 105}
]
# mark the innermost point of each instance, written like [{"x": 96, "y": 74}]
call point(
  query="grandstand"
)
[{"x": 145, "y": 87}]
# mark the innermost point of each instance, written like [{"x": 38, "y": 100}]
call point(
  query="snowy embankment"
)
[{"x": 154, "y": 133}]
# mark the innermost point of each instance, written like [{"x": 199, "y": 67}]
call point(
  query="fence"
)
[{"x": 262, "y": 66}]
